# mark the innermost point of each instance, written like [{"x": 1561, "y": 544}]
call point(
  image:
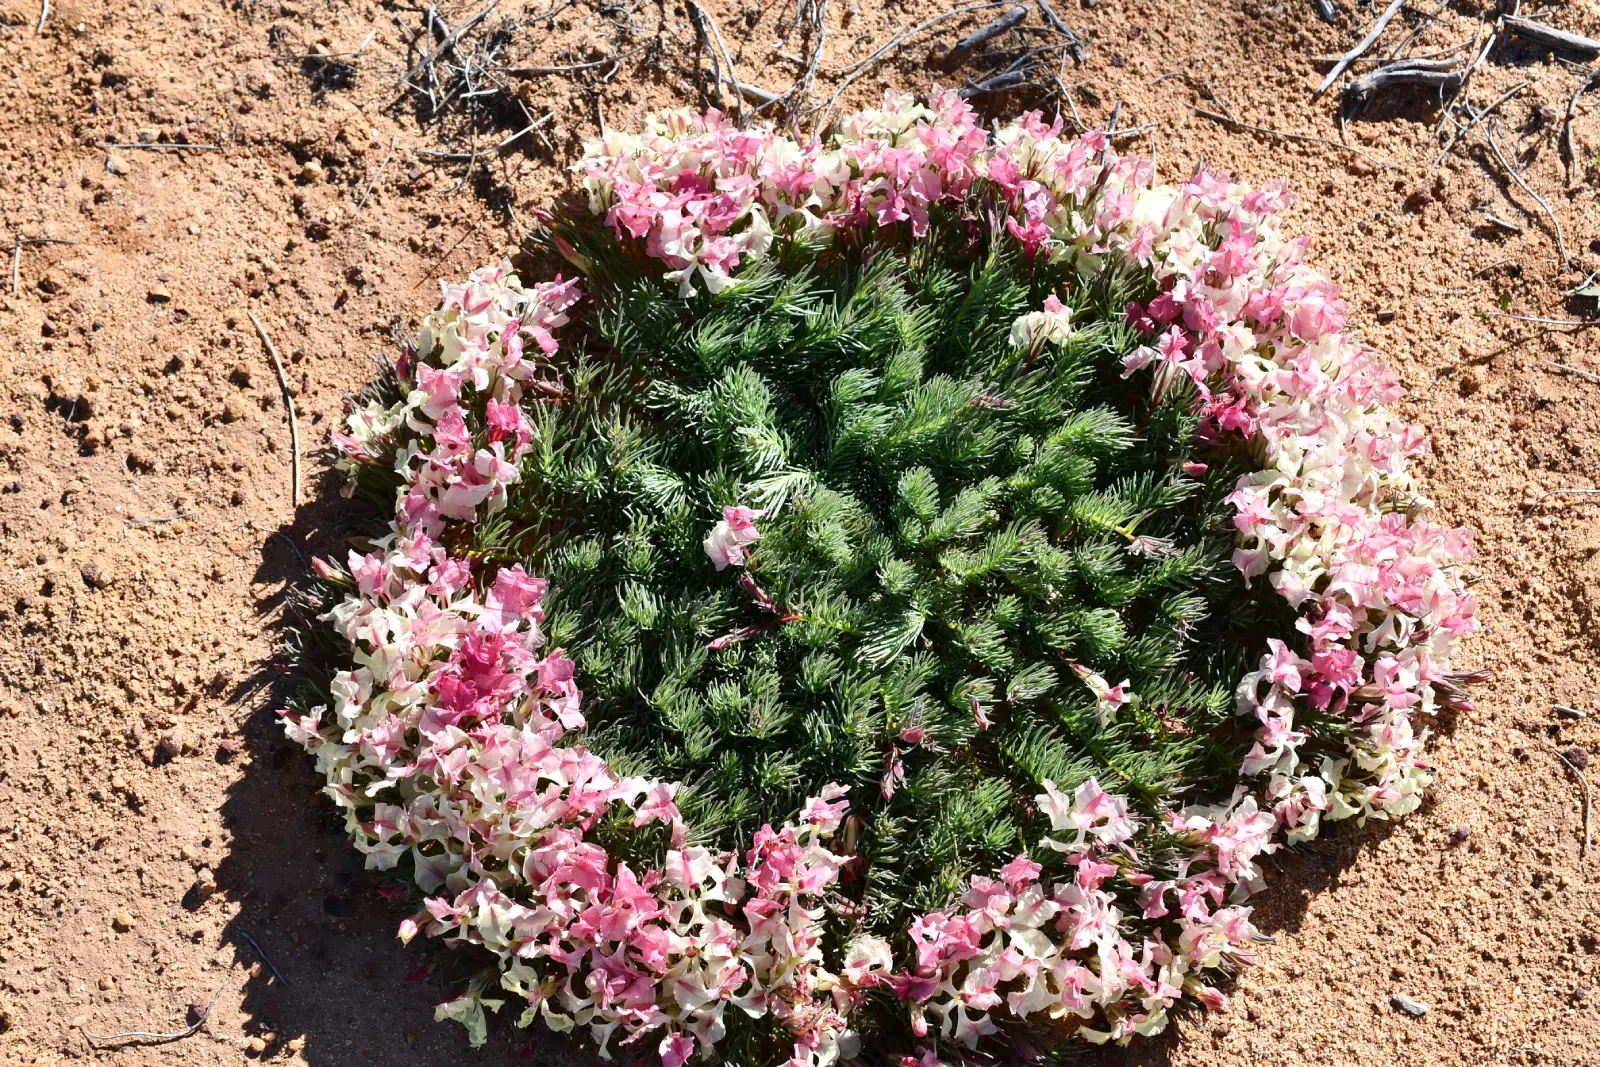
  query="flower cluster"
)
[
  {"x": 447, "y": 744},
  {"x": 472, "y": 367},
  {"x": 444, "y": 747},
  {"x": 1327, "y": 519}
]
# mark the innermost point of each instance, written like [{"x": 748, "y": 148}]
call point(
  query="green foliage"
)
[{"x": 951, "y": 522}]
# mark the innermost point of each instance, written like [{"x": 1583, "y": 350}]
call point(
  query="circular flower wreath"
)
[{"x": 866, "y": 465}]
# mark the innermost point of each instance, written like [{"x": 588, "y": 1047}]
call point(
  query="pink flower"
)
[
  {"x": 726, "y": 543},
  {"x": 675, "y": 1050}
]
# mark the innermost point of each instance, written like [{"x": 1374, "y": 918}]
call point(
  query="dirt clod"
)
[{"x": 122, "y": 921}]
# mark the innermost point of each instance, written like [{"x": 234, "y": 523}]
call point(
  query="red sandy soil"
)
[{"x": 147, "y": 533}]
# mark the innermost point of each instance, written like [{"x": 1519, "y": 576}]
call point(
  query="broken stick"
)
[
  {"x": 288, "y": 402},
  {"x": 1365, "y": 43},
  {"x": 1553, "y": 39}
]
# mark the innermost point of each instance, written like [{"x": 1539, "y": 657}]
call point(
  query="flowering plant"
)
[{"x": 883, "y": 454}]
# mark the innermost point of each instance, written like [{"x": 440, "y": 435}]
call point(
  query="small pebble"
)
[
  {"x": 205, "y": 883},
  {"x": 312, "y": 171},
  {"x": 1459, "y": 835},
  {"x": 1578, "y": 757},
  {"x": 159, "y": 293},
  {"x": 107, "y": 982},
  {"x": 117, "y": 165},
  {"x": 123, "y": 920},
  {"x": 1414, "y": 1008},
  {"x": 256, "y": 1045},
  {"x": 172, "y": 743},
  {"x": 95, "y": 576}
]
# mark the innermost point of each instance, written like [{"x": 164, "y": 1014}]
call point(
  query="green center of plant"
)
[{"x": 953, "y": 519}]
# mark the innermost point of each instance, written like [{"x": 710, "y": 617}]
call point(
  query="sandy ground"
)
[{"x": 147, "y": 530}]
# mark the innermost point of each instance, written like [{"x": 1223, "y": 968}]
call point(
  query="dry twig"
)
[
  {"x": 1541, "y": 321},
  {"x": 1561, "y": 242},
  {"x": 44, "y": 13},
  {"x": 156, "y": 1038},
  {"x": 1200, "y": 85},
  {"x": 1477, "y": 117},
  {"x": 1077, "y": 46},
  {"x": 1553, "y": 39},
  {"x": 1364, "y": 88},
  {"x": 463, "y": 157},
  {"x": 899, "y": 40},
  {"x": 1567, "y": 136},
  {"x": 259, "y": 950},
  {"x": 1365, "y": 43},
  {"x": 174, "y": 146},
  {"x": 1575, "y": 491},
  {"x": 798, "y": 96},
  {"x": 16, "y": 256},
  {"x": 450, "y": 41},
  {"x": 1581, "y": 781},
  {"x": 1303, "y": 137},
  {"x": 722, "y": 69},
  {"x": 1572, "y": 370},
  {"x": 986, "y": 33},
  {"x": 288, "y": 402},
  {"x": 161, "y": 520},
  {"x": 377, "y": 174}
]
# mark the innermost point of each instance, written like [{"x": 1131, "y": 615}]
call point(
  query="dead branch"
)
[
  {"x": 1365, "y": 43},
  {"x": 172, "y": 147},
  {"x": 1568, "y": 138},
  {"x": 288, "y": 402},
  {"x": 463, "y": 157},
  {"x": 1477, "y": 117},
  {"x": 159, "y": 1039},
  {"x": 899, "y": 40},
  {"x": 1200, "y": 85},
  {"x": 259, "y": 950},
  {"x": 1553, "y": 39},
  {"x": 798, "y": 96},
  {"x": 1364, "y": 88},
  {"x": 1575, "y": 323},
  {"x": 1531, "y": 508},
  {"x": 450, "y": 41},
  {"x": 1516, "y": 175},
  {"x": 1078, "y": 47},
  {"x": 155, "y": 1038},
  {"x": 705, "y": 27},
  {"x": 984, "y": 34},
  {"x": 1381, "y": 60},
  {"x": 1576, "y": 773},
  {"x": 1301, "y": 137},
  {"x": 609, "y": 61},
  {"x": 1586, "y": 375},
  {"x": 377, "y": 174}
]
